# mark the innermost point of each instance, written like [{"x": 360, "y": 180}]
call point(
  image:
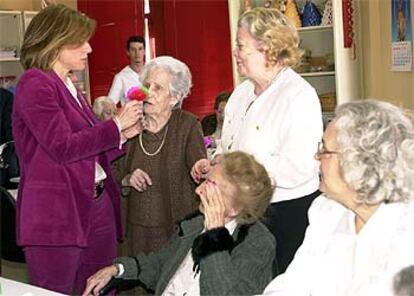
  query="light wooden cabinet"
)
[
  {"x": 343, "y": 77},
  {"x": 11, "y": 35},
  {"x": 13, "y": 24},
  {"x": 320, "y": 68}
]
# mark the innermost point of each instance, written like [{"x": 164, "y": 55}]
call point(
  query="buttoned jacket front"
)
[{"x": 58, "y": 143}]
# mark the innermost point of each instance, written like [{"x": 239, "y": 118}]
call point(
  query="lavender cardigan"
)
[{"x": 57, "y": 143}]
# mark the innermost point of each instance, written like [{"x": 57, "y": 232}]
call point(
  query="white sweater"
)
[
  {"x": 121, "y": 84},
  {"x": 335, "y": 260},
  {"x": 281, "y": 128}
]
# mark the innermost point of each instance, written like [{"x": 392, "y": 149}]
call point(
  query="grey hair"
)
[
  {"x": 403, "y": 283},
  {"x": 99, "y": 106},
  {"x": 180, "y": 75},
  {"x": 376, "y": 150}
]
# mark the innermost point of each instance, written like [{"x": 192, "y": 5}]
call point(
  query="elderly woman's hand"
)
[
  {"x": 134, "y": 130},
  {"x": 140, "y": 180},
  {"x": 96, "y": 282},
  {"x": 213, "y": 205},
  {"x": 130, "y": 114},
  {"x": 200, "y": 169}
]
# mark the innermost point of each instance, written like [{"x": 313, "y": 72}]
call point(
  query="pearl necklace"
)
[{"x": 158, "y": 149}]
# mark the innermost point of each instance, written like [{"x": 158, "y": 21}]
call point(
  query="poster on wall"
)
[{"x": 402, "y": 53}]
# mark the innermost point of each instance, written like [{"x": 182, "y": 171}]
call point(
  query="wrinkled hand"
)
[
  {"x": 200, "y": 169},
  {"x": 96, "y": 282},
  {"x": 213, "y": 205},
  {"x": 134, "y": 130},
  {"x": 130, "y": 114},
  {"x": 140, "y": 180}
]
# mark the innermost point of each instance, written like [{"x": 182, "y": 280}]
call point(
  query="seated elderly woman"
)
[
  {"x": 226, "y": 251},
  {"x": 104, "y": 108},
  {"x": 361, "y": 230}
]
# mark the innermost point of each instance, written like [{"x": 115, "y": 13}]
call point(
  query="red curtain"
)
[
  {"x": 116, "y": 21},
  {"x": 196, "y": 32}
]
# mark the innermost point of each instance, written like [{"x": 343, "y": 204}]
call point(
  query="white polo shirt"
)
[{"x": 122, "y": 82}]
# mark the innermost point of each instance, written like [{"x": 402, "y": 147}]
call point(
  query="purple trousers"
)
[{"x": 65, "y": 269}]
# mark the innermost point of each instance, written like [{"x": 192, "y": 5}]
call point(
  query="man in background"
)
[{"x": 129, "y": 76}]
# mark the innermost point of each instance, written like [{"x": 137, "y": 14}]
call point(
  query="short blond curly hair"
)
[{"x": 277, "y": 37}]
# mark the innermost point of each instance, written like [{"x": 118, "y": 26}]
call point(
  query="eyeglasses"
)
[{"x": 322, "y": 149}]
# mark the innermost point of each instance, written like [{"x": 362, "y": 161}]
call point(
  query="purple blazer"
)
[{"x": 57, "y": 143}]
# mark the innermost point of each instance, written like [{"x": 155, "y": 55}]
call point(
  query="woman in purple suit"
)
[{"x": 68, "y": 203}]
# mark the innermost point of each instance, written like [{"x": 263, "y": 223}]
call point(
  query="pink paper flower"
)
[
  {"x": 137, "y": 93},
  {"x": 207, "y": 141}
]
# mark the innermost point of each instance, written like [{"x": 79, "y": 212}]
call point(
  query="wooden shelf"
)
[
  {"x": 9, "y": 12},
  {"x": 315, "y": 28},
  {"x": 9, "y": 59},
  {"x": 316, "y": 74}
]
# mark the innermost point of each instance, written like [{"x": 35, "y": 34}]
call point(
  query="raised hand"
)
[
  {"x": 213, "y": 205},
  {"x": 200, "y": 169},
  {"x": 134, "y": 130},
  {"x": 130, "y": 114}
]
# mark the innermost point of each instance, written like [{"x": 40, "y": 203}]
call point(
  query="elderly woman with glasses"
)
[
  {"x": 361, "y": 230},
  {"x": 225, "y": 251},
  {"x": 155, "y": 173}
]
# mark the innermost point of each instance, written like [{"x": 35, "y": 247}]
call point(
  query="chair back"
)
[
  {"x": 9, "y": 165},
  {"x": 9, "y": 249}
]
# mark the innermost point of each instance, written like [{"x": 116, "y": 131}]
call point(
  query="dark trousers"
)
[
  {"x": 65, "y": 269},
  {"x": 287, "y": 220}
]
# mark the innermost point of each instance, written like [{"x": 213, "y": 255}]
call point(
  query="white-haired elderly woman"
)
[
  {"x": 155, "y": 173},
  {"x": 104, "y": 108},
  {"x": 224, "y": 251},
  {"x": 361, "y": 231},
  {"x": 276, "y": 116}
]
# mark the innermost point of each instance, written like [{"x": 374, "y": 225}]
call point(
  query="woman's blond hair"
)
[
  {"x": 51, "y": 29},
  {"x": 277, "y": 36},
  {"x": 253, "y": 185}
]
